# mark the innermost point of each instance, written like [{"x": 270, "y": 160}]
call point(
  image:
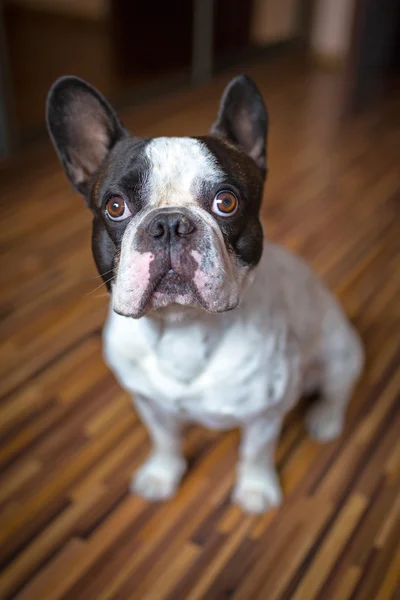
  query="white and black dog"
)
[{"x": 208, "y": 322}]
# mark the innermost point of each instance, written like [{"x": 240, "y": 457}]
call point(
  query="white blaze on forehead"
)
[{"x": 177, "y": 166}]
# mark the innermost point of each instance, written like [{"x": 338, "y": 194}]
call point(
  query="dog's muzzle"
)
[{"x": 174, "y": 255}]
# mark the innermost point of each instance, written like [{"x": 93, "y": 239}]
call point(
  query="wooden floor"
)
[{"x": 70, "y": 438}]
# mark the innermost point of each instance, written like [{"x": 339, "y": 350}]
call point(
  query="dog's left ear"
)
[
  {"x": 243, "y": 119},
  {"x": 83, "y": 128}
]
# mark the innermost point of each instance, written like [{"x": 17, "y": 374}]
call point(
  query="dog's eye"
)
[
  {"x": 117, "y": 210},
  {"x": 225, "y": 203}
]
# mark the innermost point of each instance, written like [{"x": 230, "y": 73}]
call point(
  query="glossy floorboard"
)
[{"x": 70, "y": 439}]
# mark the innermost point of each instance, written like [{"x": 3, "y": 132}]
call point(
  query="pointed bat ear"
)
[
  {"x": 83, "y": 128},
  {"x": 243, "y": 119}
]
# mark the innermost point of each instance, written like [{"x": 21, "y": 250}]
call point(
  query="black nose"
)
[{"x": 170, "y": 225}]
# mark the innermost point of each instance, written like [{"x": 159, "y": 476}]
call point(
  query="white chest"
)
[{"x": 213, "y": 372}]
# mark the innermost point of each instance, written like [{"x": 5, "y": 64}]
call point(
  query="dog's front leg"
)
[
  {"x": 159, "y": 477},
  {"x": 257, "y": 488}
]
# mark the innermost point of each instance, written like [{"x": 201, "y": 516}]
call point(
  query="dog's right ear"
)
[{"x": 83, "y": 128}]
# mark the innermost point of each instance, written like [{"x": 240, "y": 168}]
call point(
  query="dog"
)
[{"x": 209, "y": 323}]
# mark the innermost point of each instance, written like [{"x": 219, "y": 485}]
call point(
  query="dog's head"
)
[{"x": 176, "y": 219}]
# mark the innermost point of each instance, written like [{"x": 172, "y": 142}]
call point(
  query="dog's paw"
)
[
  {"x": 257, "y": 492},
  {"x": 159, "y": 477},
  {"x": 324, "y": 422}
]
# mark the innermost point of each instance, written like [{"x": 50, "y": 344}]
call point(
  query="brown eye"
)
[
  {"x": 117, "y": 210},
  {"x": 225, "y": 204}
]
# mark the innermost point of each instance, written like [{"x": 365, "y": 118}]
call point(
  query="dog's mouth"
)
[
  {"x": 172, "y": 284},
  {"x": 173, "y": 289}
]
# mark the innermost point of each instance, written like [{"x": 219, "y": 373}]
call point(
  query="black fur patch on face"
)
[
  {"x": 243, "y": 231},
  {"x": 124, "y": 174}
]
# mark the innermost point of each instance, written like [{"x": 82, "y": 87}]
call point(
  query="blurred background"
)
[
  {"x": 69, "y": 438},
  {"x": 134, "y": 50}
]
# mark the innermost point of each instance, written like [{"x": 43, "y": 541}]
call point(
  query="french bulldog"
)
[{"x": 209, "y": 323}]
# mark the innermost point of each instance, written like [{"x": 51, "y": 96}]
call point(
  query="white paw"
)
[
  {"x": 257, "y": 491},
  {"x": 324, "y": 422},
  {"x": 159, "y": 477}
]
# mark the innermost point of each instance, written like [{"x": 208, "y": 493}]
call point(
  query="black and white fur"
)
[{"x": 208, "y": 322}]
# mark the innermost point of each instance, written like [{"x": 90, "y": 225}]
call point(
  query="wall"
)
[
  {"x": 331, "y": 29},
  {"x": 92, "y": 9},
  {"x": 274, "y": 21}
]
